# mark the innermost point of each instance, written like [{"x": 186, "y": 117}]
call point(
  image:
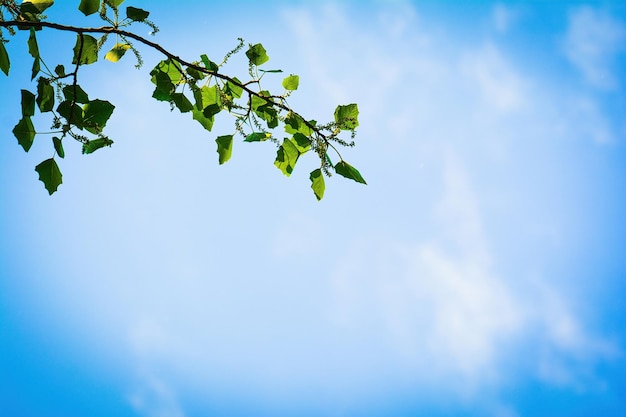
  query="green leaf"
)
[
  {"x": 236, "y": 90},
  {"x": 171, "y": 69},
  {"x": 295, "y": 124},
  {"x": 208, "y": 64},
  {"x": 272, "y": 71},
  {"x": 93, "y": 145},
  {"x": 85, "y": 50},
  {"x": 33, "y": 48},
  {"x": 50, "y": 175},
  {"x": 28, "y": 103},
  {"x": 211, "y": 110},
  {"x": 206, "y": 122},
  {"x": 257, "y": 137},
  {"x": 58, "y": 146},
  {"x": 224, "y": 147},
  {"x": 345, "y": 169},
  {"x": 165, "y": 75},
  {"x": 164, "y": 87},
  {"x": 347, "y": 117},
  {"x": 208, "y": 100},
  {"x": 328, "y": 159},
  {"x": 97, "y": 113},
  {"x": 36, "y": 68},
  {"x": 117, "y": 52},
  {"x": 317, "y": 183},
  {"x": 114, "y": 3},
  {"x": 45, "y": 95},
  {"x": 291, "y": 82},
  {"x": 60, "y": 70},
  {"x": 182, "y": 102},
  {"x": 40, "y": 5},
  {"x": 195, "y": 74},
  {"x": 263, "y": 107},
  {"x": 257, "y": 54},
  {"x": 73, "y": 114},
  {"x": 89, "y": 6},
  {"x": 261, "y": 101},
  {"x": 24, "y": 131},
  {"x": 302, "y": 142},
  {"x": 5, "y": 63},
  {"x": 287, "y": 156},
  {"x": 138, "y": 15},
  {"x": 81, "y": 96}
]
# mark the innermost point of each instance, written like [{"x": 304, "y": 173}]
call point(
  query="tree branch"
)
[{"x": 117, "y": 31}]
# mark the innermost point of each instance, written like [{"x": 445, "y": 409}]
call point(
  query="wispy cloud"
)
[
  {"x": 154, "y": 398},
  {"x": 594, "y": 39}
]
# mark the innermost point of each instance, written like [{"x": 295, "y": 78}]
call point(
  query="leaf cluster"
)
[{"x": 199, "y": 88}]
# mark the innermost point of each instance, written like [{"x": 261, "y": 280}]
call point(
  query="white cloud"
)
[
  {"x": 499, "y": 83},
  {"x": 154, "y": 398},
  {"x": 503, "y": 17},
  {"x": 449, "y": 313},
  {"x": 440, "y": 301},
  {"x": 593, "y": 40}
]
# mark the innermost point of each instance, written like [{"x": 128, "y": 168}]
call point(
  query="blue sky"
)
[{"x": 480, "y": 272}]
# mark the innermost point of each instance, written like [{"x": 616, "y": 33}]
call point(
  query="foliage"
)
[{"x": 198, "y": 88}]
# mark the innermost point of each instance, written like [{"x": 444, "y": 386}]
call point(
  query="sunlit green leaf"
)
[
  {"x": 206, "y": 122},
  {"x": 317, "y": 183},
  {"x": 85, "y": 50},
  {"x": 291, "y": 82},
  {"x": 117, "y": 52},
  {"x": 73, "y": 114},
  {"x": 295, "y": 124},
  {"x": 50, "y": 175},
  {"x": 345, "y": 169},
  {"x": 208, "y": 101},
  {"x": 40, "y": 5},
  {"x": 5, "y": 63},
  {"x": 81, "y": 96},
  {"x": 95, "y": 144},
  {"x": 136, "y": 14},
  {"x": 58, "y": 146},
  {"x": 257, "y": 54},
  {"x": 28, "y": 103},
  {"x": 224, "y": 148},
  {"x": 263, "y": 107},
  {"x": 258, "y": 101},
  {"x": 347, "y": 117},
  {"x": 257, "y": 137},
  {"x": 172, "y": 69},
  {"x": 89, "y": 6},
  {"x": 45, "y": 95},
  {"x": 182, "y": 102},
  {"x": 24, "y": 131},
  {"x": 97, "y": 113},
  {"x": 286, "y": 157},
  {"x": 234, "y": 89}
]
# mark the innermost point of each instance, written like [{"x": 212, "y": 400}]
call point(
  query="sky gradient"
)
[{"x": 481, "y": 272}]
